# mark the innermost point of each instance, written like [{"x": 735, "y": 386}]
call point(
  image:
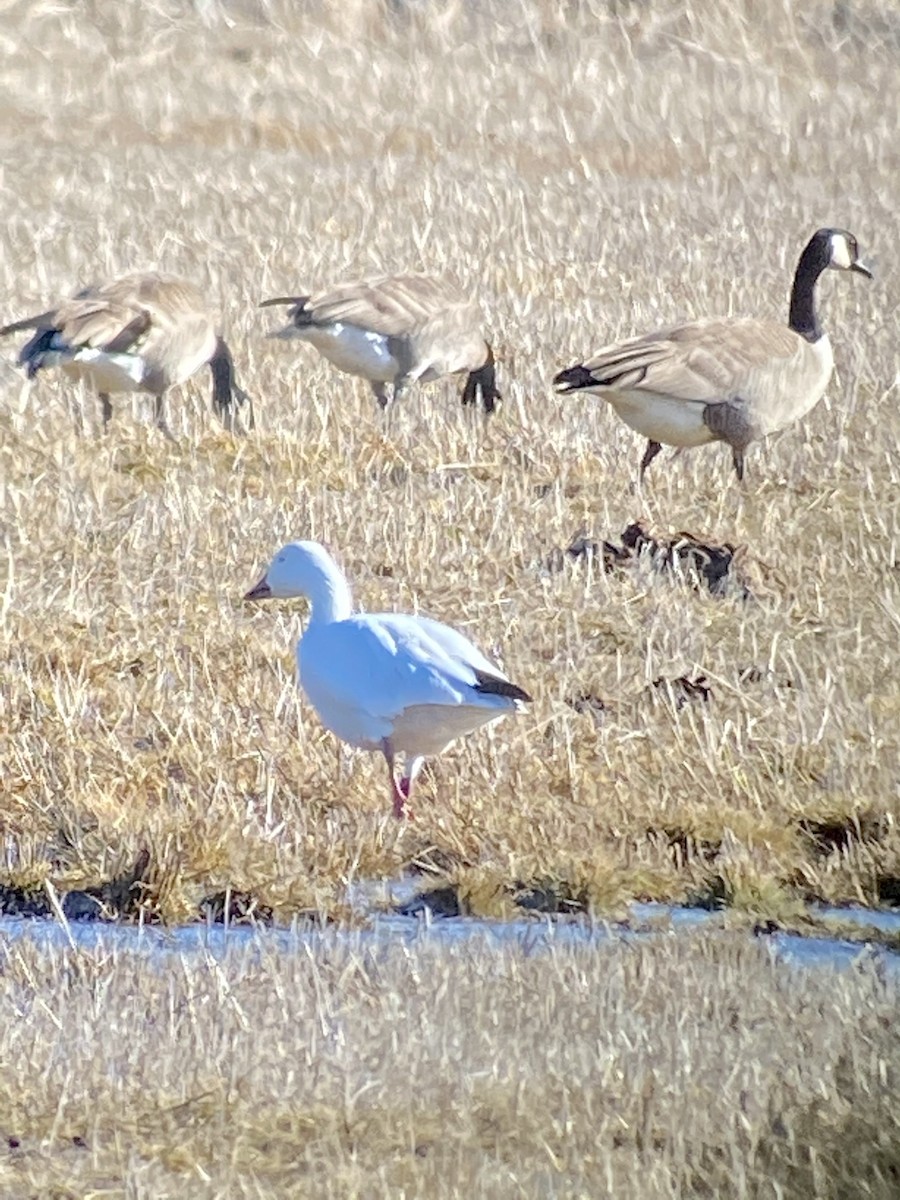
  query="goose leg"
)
[
  {"x": 380, "y": 395},
  {"x": 160, "y": 415},
  {"x": 399, "y": 791},
  {"x": 737, "y": 457},
  {"x": 413, "y": 767},
  {"x": 226, "y": 416},
  {"x": 242, "y": 398},
  {"x": 653, "y": 448},
  {"x": 106, "y": 407}
]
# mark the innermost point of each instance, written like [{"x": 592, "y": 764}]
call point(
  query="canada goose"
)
[
  {"x": 392, "y": 682},
  {"x": 397, "y": 329},
  {"x": 140, "y": 333},
  {"x": 732, "y": 380}
]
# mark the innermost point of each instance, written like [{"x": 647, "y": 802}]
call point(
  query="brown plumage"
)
[
  {"x": 734, "y": 380},
  {"x": 144, "y": 332},
  {"x": 397, "y": 329}
]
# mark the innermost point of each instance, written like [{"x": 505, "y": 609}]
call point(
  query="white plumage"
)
[{"x": 392, "y": 682}]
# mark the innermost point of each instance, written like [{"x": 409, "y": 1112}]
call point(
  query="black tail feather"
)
[
  {"x": 493, "y": 685},
  {"x": 574, "y": 378},
  {"x": 31, "y": 356},
  {"x": 299, "y": 313},
  {"x": 274, "y": 300}
]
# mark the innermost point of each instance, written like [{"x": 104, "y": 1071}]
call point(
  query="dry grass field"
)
[
  {"x": 589, "y": 169},
  {"x": 640, "y": 1071}
]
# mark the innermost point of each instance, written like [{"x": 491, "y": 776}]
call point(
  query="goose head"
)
[
  {"x": 306, "y": 569},
  {"x": 839, "y": 249}
]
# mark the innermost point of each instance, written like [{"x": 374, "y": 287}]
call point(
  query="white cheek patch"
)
[{"x": 840, "y": 252}]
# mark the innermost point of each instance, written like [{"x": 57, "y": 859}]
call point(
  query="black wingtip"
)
[
  {"x": 298, "y": 313},
  {"x": 25, "y": 323},
  {"x": 493, "y": 685},
  {"x": 574, "y": 378},
  {"x": 273, "y": 301},
  {"x": 31, "y": 356}
]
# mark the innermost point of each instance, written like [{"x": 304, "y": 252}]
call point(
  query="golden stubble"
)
[{"x": 589, "y": 172}]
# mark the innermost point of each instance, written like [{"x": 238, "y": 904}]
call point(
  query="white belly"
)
[
  {"x": 662, "y": 418},
  {"x": 420, "y": 729},
  {"x": 352, "y": 723},
  {"x": 431, "y": 728},
  {"x": 416, "y": 729},
  {"x": 354, "y": 350},
  {"x": 106, "y": 372}
]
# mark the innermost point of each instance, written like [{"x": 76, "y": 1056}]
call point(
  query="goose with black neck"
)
[{"x": 734, "y": 380}]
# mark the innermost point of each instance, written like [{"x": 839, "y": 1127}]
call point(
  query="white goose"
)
[{"x": 392, "y": 682}]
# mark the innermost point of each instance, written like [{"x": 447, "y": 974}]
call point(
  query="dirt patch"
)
[
  {"x": 115, "y": 899},
  {"x": 551, "y": 896},
  {"x": 23, "y": 902},
  {"x": 686, "y": 846},
  {"x": 234, "y": 907},
  {"x": 438, "y": 902},
  {"x": 684, "y": 689},
  {"x": 837, "y": 833}
]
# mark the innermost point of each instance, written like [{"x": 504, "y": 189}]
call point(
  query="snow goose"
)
[
  {"x": 384, "y": 681},
  {"x": 397, "y": 329},
  {"x": 732, "y": 380},
  {"x": 140, "y": 333}
]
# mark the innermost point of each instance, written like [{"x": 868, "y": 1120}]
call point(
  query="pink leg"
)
[
  {"x": 399, "y": 790},
  {"x": 401, "y": 795}
]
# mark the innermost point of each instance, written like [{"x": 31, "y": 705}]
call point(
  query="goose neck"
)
[
  {"x": 330, "y": 599},
  {"x": 803, "y": 316}
]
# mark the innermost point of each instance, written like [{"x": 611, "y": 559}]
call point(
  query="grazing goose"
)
[
  {"x": 399, "y": 329},
  {"x": 384, "y": 681},
  {"x": 733, "y": 380},
  {"x": 140, "y": 333}
]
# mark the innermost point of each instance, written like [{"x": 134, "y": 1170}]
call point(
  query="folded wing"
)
[{"x": 704, "y": 362}]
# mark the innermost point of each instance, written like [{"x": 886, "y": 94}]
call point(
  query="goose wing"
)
[
  {"x": 380, "y": 665},
  {"x": 394, "y": 306},
  {"x": 116, "y": 317},
  {"x": 85, "y": 322},
  {"x": 704, "y": 362},
  {"x": 489, "y": 679}
]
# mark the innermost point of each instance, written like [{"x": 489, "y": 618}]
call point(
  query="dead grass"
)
[
  {"x": 414, "y": 1068},
  {"x": 592, "y": 169}
]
